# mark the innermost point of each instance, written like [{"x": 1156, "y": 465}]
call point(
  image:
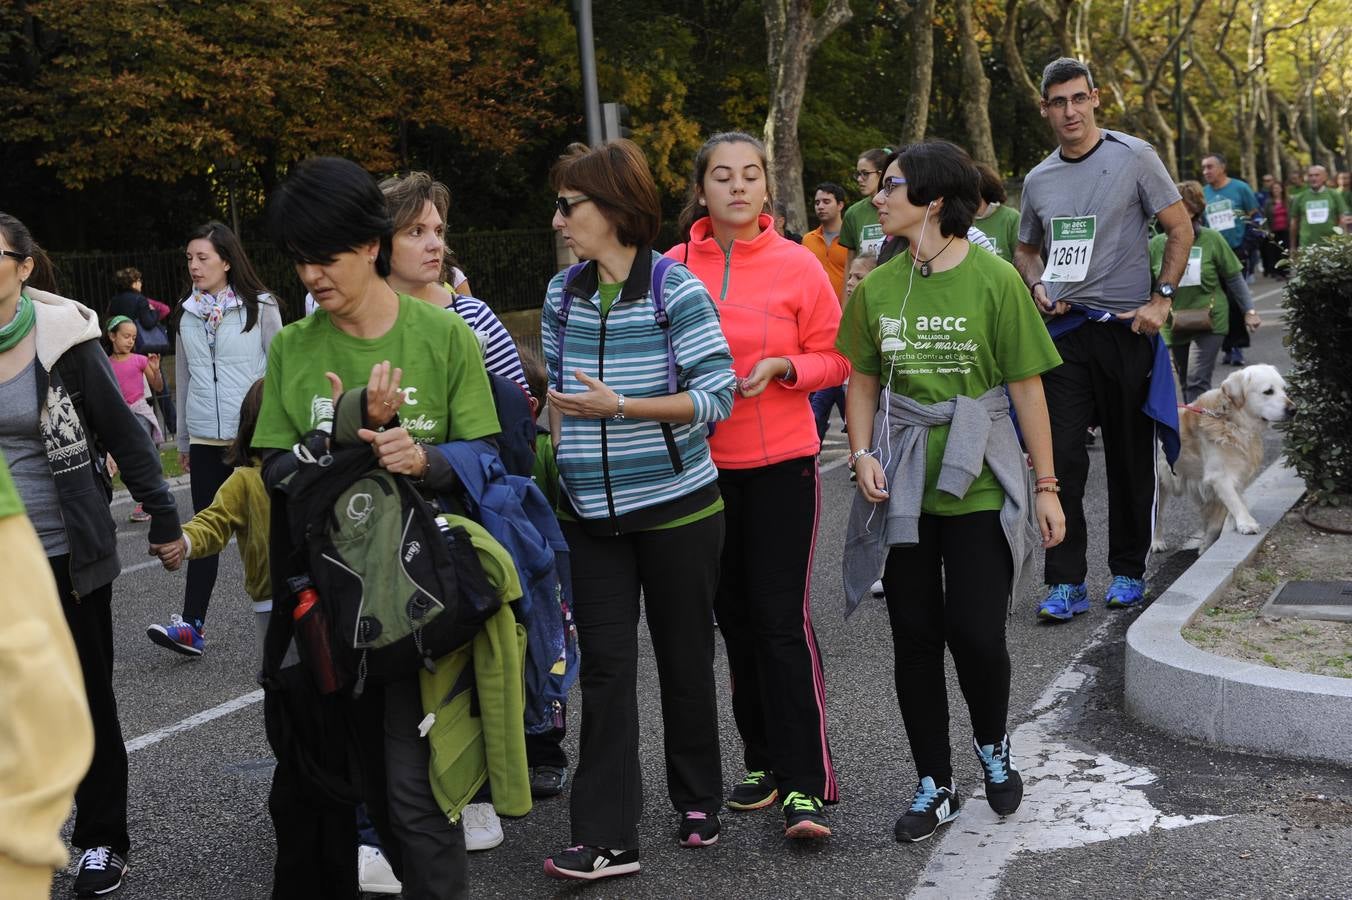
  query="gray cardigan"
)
[{"x": 981, "y": 431}]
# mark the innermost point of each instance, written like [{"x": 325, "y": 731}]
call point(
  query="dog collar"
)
[{"x": 1199, "y": 410}]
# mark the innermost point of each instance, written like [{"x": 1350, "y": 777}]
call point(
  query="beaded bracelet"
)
[{"x": 1047, "y": 489}]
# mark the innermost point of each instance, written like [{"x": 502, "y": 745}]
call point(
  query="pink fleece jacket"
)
[{"x": 774, "y": 299}]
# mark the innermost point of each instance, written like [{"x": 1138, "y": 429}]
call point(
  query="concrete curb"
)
[{"x": 1178, "y": 688}]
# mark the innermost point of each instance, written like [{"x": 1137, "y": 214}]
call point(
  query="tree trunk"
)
[
  {"x": 977, "y": 94},
  {"x": 1009, "y": 40},
  {"x": 792, "y": 36},
  {"x": 917, "y": 89}
]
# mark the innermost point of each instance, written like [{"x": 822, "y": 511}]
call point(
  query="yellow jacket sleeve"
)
[
  {"x": 46, "y": 739},
  {"x": 210, "y": 530}
]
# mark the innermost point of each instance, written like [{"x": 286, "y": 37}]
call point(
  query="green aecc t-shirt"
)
[
  {"x": 1317, "y": 214},
  {"x": 859, "y": 228},
  {"x": 444, "y": 381},
  {"x": 10, "y": 502},
  {"x": 960, "y": 332},
  {"x": 1001, "y": 225}
]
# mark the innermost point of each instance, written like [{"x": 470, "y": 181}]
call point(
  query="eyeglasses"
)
[
  {"x": 891, "y": 184},
  {"x": 19, "y": 256},
  {"x": 565, "y": 204},
  {"x": 861, "y": 175},
  {"x": 1060, "y": 103}
]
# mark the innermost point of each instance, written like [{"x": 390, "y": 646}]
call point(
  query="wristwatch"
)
[
  {"x": 619, "y": 408},
  {"x": 1165, "y": 290}
]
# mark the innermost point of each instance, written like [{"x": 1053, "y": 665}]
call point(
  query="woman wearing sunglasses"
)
[
  {"x": 780, "y": 314},
  {"x": 944, "y": 508},
  {"x": 638, "y": 369}
]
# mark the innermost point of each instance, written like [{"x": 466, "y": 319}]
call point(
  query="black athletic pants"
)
[
  {"x": 1103, "y": 380},
  {"x": 765, "y": 613},
  {"x": 208, "y": 472},
  {"x": 101, "y": 798},
  {"x": 951, "y": 588},
  {"x": 677, "y": 571}
]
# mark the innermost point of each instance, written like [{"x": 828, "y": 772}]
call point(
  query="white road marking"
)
[
  {"x": 1073, "y": 798},
  {"x": 207, "y": 715}
]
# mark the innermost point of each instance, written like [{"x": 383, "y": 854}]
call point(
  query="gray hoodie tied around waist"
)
[{"x": 980, "y": 431}]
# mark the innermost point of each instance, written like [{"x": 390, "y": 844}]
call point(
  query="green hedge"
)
[{"x": 1319, "y": 333}]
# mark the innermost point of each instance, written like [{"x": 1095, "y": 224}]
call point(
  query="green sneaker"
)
[{"x": 756, "y": 791}]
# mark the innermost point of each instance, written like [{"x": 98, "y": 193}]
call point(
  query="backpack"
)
[
  {"x": 515, "y": 512},
  {"x": 397, "y": 587},
  {"x": 660, "y": 269}
]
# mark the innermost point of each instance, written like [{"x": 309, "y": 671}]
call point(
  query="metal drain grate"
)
[
  {"x": 1328, "y": 600},
  {"x": 1314, "y": 593}
]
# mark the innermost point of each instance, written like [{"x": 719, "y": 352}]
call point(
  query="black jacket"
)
[{"x": 82, "y": 415}]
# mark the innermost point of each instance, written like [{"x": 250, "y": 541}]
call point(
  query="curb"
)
[{"x": 1178, "y": 688}]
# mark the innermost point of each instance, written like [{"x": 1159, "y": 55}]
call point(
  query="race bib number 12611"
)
[{"x": 1071, "y": 249}]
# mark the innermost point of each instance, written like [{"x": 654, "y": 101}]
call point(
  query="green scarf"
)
[{"x": 19, "y": 326}]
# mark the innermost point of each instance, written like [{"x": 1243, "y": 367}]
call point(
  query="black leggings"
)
[
  {"x": 208, "y": 472},
  {"x": 765, "y": 613},
  {"x": 965, "y": 608}
]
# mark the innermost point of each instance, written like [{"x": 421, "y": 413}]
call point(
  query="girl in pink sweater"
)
[{"x": 779, "y": 314}]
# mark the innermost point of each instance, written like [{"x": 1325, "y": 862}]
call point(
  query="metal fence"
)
[{"x": 507, "y": 270}]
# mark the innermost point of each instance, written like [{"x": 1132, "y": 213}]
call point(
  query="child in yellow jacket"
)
[{"x": 240, "y": 509}]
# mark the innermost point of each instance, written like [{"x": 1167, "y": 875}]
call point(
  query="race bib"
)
[
  {"x": 1072, "y": 248},
  {"x": 1192, "y": 275},
  {"x": 1316, "y": 212},
  {"x": 870, "y": 239},
  {"x": 1220, "y": 215}
]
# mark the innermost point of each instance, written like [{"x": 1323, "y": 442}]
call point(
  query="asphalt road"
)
[{"x": 1111, "y": 811}]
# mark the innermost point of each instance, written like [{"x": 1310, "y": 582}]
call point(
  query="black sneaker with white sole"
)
[
  {"x": 931, "y": 807},
  {"x": 100, "y": 872},
  {"x": 591, "y": 863},
  {"x": 1004, "y": 784}
]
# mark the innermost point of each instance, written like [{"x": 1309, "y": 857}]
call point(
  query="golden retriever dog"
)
[{"x": 1222, "y": 434}]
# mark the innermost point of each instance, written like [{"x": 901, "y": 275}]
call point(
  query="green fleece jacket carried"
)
[
  {"x": 242, "y": 508},
  {"x": 476, "y": 700}
]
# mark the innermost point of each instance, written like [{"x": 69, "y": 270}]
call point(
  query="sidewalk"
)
[{"x": 1178, "y": 688}]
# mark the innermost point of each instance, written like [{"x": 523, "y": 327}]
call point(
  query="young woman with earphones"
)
[
  {"x": 780, "y": 314},
  {"x": 941, "y": 338}
]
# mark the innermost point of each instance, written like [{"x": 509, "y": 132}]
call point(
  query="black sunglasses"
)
[
  {"x": 19, "y": 256},
  {"x": 565, "y": 204}
]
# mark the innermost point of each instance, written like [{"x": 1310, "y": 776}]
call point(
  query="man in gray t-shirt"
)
[{"x": 1083, "y": 246}]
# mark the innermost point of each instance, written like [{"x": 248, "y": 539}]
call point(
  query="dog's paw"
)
[
  {"x": 1247, "y": 527},
  {"x": 1192, "y": 543},
  {"x": 1158, "y": 546}
]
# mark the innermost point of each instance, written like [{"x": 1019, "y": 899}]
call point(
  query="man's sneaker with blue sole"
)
[
  {"x": 1125, "y": 592},
  {"x": 1064, "y": 602}
]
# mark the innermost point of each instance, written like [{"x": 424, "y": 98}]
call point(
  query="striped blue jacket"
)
[{"x": 634, "y": 474}]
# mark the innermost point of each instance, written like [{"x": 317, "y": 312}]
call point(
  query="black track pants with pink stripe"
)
[{"x": 764, "y": 611}]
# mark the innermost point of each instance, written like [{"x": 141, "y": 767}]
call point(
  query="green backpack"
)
[{"x": 397, "y": 587}]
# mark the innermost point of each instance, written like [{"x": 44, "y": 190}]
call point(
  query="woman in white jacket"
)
[{"x": 225, "y": 326}]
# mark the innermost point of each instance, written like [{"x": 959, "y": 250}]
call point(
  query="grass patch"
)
[{"x": 168, "y": 463}]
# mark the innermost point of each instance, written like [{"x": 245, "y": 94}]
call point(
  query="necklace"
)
[{"x": 925, "y": 263}]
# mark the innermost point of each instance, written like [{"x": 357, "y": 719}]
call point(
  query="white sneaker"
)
[
  {"x": 483, "y": 828},
  {"x": 877, "y": 588},
  {"x": 374, "y": 874}
]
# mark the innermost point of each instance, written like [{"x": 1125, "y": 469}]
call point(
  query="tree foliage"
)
[{"x": 155, "y": 112}]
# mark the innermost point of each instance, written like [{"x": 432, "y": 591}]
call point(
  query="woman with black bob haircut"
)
[
  {"x": 631, "y": 397},
  {"x": 944, "y": 509},
  {"x": 894, "y": 244},
  {"x": 225, "y": 326},
  {"x": 331, "y": 219}
]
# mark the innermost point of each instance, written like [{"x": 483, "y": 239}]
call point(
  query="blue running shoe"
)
[
  {"x": 179, "y": 636},
  {"x": 1124, "y": 592},
  {"x": 1065, "y": 602}
]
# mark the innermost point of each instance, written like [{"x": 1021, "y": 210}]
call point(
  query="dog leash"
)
[{"x": 1199, "y": 410}]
